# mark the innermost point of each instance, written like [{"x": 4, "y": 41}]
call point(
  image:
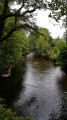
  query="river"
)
[{"x": 38, "y": 90}]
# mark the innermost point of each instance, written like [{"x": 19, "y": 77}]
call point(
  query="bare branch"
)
[{"x": 21, "y": 7}]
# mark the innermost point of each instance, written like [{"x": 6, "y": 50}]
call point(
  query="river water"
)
[{"x": 38, "y": 90}]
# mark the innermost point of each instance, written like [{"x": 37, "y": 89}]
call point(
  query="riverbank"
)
[
  {"x": 55, "y": 61},
  {"x": 36, "y": 89},
  {"x": 8, "y": 114}
]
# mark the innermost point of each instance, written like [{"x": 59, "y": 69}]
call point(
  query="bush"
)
[
  {"x": 7, "y": 114},
  {"x": 62, "y": 57}
]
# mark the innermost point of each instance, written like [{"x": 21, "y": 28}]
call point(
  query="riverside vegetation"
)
[
  {"x": 14, "y": 43},
  {"x": 7, "y": 114},
  {"x": 49, "y": 48},
  {"x": 19, "y": 45},
  {"x": 45, "y": 46}
]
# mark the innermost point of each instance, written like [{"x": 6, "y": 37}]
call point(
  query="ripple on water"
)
[{"x": 43, "y": 95}]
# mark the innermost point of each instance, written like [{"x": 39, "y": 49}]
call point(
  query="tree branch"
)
[
  {"x": 9, "y": 34},
  {"x": 24, "y": 26},
  {"x": 21, "y": 7},
  {"x": 2, "y": 17},
  {"x": 16, "y": 29}
]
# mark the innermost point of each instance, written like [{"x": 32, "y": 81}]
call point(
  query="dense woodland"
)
[
  {"x": 49, "y": 48},
  {"x": 15, "y": 44}
]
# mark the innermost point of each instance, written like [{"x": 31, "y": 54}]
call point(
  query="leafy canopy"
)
[{"x": 23, "y": 17}]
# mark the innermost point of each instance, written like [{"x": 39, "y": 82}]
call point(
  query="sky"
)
[
  {"x": 54, "y": 28},
  {"x": 44, "y": 21}
]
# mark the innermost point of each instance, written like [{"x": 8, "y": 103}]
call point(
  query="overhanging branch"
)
[
  {"x": 2, "y": 17},
  {"x": 24, "y": 26},
  {"x": 8, "y": 35}
]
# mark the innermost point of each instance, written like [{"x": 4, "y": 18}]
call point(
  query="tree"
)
[
  {"x": 62, "y": 58},
  {"x": 41, "y": 43},
  {"x": 13, "y": 49},
  {"x": 33, "y": 37},
  {"x": 22, "y": 17},
  {"x": 59, "y": 10},
  {"x": 57, "y": 44},
  {"x": 65, "y": 25}
]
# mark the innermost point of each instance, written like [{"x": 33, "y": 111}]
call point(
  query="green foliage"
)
[
  {"x": 7, "y": 114},
  {"x": 13, "y": 49},
  {"x": 1, "y": 7},
  {"x": 45, "y": 46},
  {"x": 1, "y": 100},
  {"x": 41, "y": 43},
  {"x": 59, "y": 8},
  {"x": 15, "y": 44},
  {"x": 33, "y": 37},
  {"x": 59, "y": 52},
  {"x": 9, "y": 24},
  {"x": 62, "y": 58},
  {"x": 21, "y": 19},
  {"x": 56, "y": 46},
  {"x": 42, "y": 47}
]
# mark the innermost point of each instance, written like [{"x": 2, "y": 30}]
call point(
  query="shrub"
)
[
  {"x": 62, "y": 57},
  {"x": 7, "y": 114}
]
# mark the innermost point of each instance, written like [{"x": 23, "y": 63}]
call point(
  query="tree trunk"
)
[{"x": 2, "y": 23}]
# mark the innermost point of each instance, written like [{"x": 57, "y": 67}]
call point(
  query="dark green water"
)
[{"x": 38, "y": 89}]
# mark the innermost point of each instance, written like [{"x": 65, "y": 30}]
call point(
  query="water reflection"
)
[
  {"x": 39, "y": 89},
  {"x": 43, "y": 95},
  {"x": 10, "y": 89},
  {"x": 63, "y": 84}
]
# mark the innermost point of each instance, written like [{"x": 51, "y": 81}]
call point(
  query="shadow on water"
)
[
  {"x": 63, "y": 84},
  {"x": 38, "y": 89},
  {"x": 43, "y": 95},
  {"x": 10, "y": 88}
]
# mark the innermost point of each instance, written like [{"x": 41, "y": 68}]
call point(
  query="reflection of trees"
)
[
  {"x": 63, "y": 84},
  {"x": 10, "y": 89},
  {"x": 40, "y": 63},
  {"x": 53, "y": 116}
]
